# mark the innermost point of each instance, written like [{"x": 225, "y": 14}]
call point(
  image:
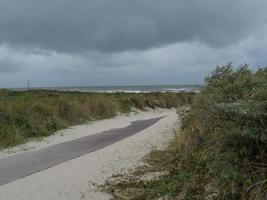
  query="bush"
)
[
  {"x": 231, "y": 111},
  {"x": 229, "y": 119},
  {"x": 221, "y": 152}
]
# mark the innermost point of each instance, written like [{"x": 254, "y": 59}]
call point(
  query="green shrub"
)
[
  {"x": 221, "y": 152},
  {"x": 229, "y": 118}
]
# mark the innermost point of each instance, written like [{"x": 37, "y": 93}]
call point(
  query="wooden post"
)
[{"x": 28, "y": 84}]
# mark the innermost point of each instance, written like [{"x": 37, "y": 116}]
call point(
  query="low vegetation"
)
[
  {"x": 39, "y": 113},
  {"x": 221, "y": 151}
]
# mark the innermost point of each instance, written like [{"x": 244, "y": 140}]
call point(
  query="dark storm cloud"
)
[
  {"x": 122, "y": 42},
  {"x": 121, "y": 25}
]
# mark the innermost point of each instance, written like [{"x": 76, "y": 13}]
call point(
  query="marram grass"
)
[{"x": 39, "y": 113}]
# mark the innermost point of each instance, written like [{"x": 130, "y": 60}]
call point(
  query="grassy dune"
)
[
  {"x": 40, "y": 113},
  {"x": 221, "y": 151}
]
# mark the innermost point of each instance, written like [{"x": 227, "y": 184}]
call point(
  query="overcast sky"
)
[{"x": 127, "y": 42}]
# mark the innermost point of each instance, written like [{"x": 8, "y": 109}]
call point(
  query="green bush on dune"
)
[
  {"x": 221, "y": 152},
  {"x": 39, "y": 113},
  {"x": 227, "y": 129}
]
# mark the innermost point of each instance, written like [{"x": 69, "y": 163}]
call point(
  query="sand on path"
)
[{"x": 79, "y": 178}]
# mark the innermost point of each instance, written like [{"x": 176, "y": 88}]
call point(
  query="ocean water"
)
[{"x": 130, "y": 89}]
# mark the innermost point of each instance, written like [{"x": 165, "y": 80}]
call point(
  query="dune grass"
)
[
  {"x": 39, "y": 113},
  {"x": 221, "y": 151}
]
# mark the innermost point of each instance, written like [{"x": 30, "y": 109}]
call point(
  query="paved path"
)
[{"x": 25, "y": 164}]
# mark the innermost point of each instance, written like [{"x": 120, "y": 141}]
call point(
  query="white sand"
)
[{"x": 77, "y": 178}]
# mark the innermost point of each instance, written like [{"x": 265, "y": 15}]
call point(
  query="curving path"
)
[{"x": 25, "y": 164}]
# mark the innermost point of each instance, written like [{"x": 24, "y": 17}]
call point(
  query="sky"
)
[{"x": 127, "y": 42}]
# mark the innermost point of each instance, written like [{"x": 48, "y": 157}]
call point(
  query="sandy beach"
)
[{"x": 79, "y": 178}]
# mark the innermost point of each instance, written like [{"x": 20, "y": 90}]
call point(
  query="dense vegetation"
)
[
  {"x": 39, "y": 113},
  {"x": 221, "y": 151}
]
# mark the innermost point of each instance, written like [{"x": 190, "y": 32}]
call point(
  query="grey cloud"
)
[
  {"x": 8, "y": 66},
  {"x": 182, "y": 63},
  {"x": 123, "y": 25},
  {"x": 118, "y": 42}
]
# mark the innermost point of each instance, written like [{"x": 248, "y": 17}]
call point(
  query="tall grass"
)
[{"x": 39, "y": 113}]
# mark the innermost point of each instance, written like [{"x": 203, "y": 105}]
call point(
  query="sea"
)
[{"x": 126, "y": 89}]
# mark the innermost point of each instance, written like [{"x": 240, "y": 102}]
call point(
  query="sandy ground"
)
[{"x": 79, "y": 178}]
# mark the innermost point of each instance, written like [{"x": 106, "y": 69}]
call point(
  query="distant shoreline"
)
[{"x": 123, "y": 89}]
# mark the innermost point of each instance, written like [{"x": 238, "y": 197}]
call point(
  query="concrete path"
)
[{"x": 25, "y": 164}]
